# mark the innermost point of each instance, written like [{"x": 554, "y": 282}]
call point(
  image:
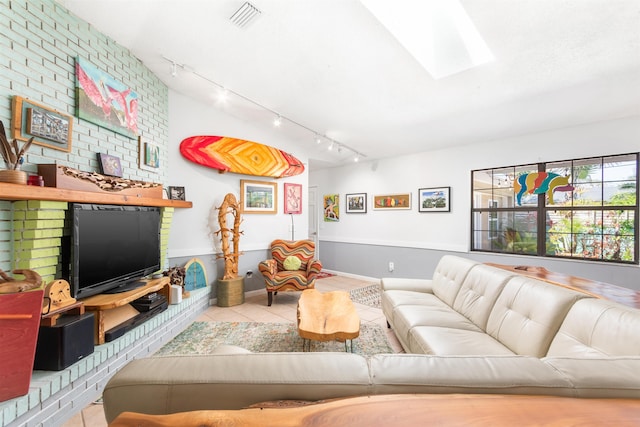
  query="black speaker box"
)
[{"x": 63, "y": 344}]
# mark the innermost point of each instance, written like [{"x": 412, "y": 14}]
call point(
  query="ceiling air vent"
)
[{"x": 245, "y": 15}]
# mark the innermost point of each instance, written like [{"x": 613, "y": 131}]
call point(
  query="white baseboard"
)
[{"x": 353, "y": 276}]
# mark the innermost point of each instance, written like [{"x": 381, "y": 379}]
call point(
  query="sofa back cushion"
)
[
  {"x": 528, "y": 314},
  {"x": 598, "y": 328},
  {"x": 449, "y": 275},
  {"x": 164, "y": 385},
  {"x": 479, "y": 292}
]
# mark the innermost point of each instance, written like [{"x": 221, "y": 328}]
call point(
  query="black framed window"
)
[{"x": 581, "y": 208}]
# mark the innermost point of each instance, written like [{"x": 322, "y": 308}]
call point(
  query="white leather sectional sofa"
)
[{"x": 472, "y": 328}]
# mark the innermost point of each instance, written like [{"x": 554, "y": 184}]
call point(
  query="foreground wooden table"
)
[
  {"x": 327, "y": 317},
  {"x": 413, "y": 410}
]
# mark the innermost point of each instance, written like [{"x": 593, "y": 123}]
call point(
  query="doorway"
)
[{"x": 313, "y": 218}]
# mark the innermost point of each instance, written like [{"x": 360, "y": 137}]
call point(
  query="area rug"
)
[
  {"x": 204, "y": 337},
  {"x": 367, "y": 295},
  {"x": 324, "y": 274}
]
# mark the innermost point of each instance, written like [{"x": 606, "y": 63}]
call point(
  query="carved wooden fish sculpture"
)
[
  {"x": 9, "y": 285},
  {"x": 540, "y": 183}
]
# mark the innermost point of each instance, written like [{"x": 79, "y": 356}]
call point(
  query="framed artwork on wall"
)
[
  {"x": 292, "y": 198},
  {"x": 434, "y": 199},
  {"x": 148, "y": 155},
  {"x": 356, "y": 203},
  {"x": 392, "y": 201},
  {"x": 48, "y": 127},
  {"x": 258, "y": 197},
  {"x": 110, "y": 165},
  {"x": 331, "y": 208},
  {"x": 105, "y": 101}
]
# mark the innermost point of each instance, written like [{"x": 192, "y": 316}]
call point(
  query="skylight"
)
[{"x": 437, "y": 33}]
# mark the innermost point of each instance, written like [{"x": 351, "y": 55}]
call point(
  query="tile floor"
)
[{"x": 255, "y": 309}]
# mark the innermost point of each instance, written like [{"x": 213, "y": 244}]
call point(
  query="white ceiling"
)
[{"x": 331, "y": 67}]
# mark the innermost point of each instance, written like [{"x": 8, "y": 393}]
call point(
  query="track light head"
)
[{"x": 223, "y": 95}]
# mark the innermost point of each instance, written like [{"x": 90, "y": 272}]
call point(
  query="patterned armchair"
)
[{"x": 277, "y": 278}]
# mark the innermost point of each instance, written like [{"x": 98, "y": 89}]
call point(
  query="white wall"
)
[
  {"x": 205, "y": 187},
  {"x": 451, "y": 167}
]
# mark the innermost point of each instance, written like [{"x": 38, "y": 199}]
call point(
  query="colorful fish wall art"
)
[{"x": 540, "y": 183}]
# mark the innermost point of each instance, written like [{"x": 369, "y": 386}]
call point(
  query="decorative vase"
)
[
  {"x": 230, "y": 291},
  {"x": 13, "y": 176}
]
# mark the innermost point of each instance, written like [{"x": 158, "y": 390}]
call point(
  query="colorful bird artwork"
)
[
  {"x": 103, "y": 100},
  {"x": 540, "y": 183},
  {"x": 128, "y": 113},
  {"x": 95, "y": 91}
]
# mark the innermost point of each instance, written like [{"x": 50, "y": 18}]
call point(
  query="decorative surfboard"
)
[{"x": 240, "y": 156}]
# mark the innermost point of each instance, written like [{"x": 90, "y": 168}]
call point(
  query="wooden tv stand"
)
[{"x": 111, "y": 310}]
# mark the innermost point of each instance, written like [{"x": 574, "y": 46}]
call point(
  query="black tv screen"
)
[{"x": 112, "y": 247}]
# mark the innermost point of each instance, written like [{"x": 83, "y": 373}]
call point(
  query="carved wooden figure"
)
[{"x": 230, "y": 206}]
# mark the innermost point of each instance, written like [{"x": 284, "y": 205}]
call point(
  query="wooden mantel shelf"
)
[{"x": 31, "y": 192}]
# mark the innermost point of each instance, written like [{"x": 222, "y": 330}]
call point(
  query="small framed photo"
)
[
  {"x": 148, "y": 155},
  {"x": 110, "y": 165},
  {"x": 392, "y": 201},
  {"x": 292, "y": 198},
  {"x": 434, "y": 199},
  {"x": 176, "y": 193},
  {"x": 258, "y": 197},
  {"x": 356, "y": 203}
]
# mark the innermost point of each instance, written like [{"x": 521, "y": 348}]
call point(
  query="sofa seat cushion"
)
[
  {"x": 455, "y": 342},
  {"x": 436, "y": 313},
  {"x": 390, "y": 300},
  {"x": 420, "y": 373},
  {"x": 598, "y": 328},
  {"x": 614, "y": 377},
  {"x": 528, "y": 314}
]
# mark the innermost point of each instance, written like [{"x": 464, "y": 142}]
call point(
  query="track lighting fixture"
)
[{"x": 224, "y": 93}]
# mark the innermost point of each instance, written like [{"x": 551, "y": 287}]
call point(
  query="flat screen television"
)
[{"x": 112, "y": 247}]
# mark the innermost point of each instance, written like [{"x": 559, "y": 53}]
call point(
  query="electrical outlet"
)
[{"x": 391, "y": 266}]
